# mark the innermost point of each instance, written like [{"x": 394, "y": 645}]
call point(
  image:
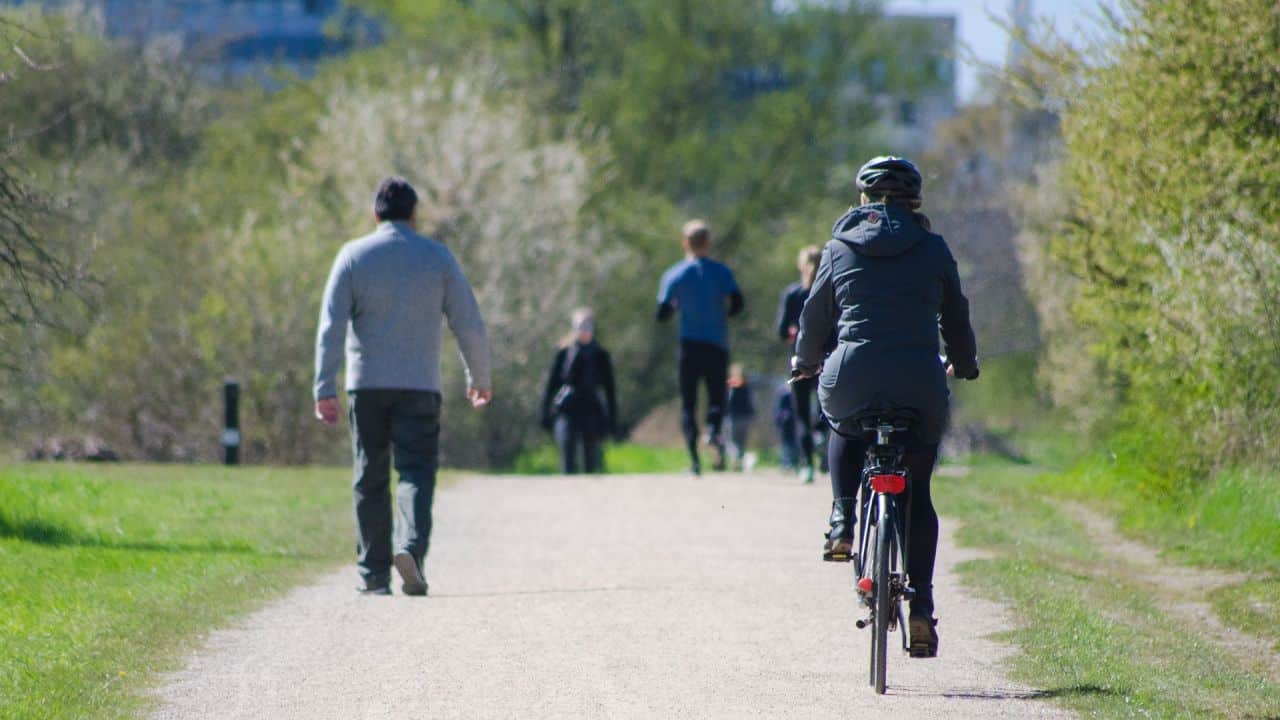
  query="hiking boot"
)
[
  {"x": 839, "y": 546},
  {"x": 410, "y": 573},
  {"x": 924, "y": 636}
]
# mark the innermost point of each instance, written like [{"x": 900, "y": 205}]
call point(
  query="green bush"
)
[{"x": 1171, "y": 166}]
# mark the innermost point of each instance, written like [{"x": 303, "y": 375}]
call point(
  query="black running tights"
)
[{"x": 702, "y": 363}]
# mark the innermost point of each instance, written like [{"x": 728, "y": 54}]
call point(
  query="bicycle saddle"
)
[{"x": 899, "y": 420}]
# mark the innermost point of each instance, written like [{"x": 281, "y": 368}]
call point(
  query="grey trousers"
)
[{"x": 401, "y": 426}]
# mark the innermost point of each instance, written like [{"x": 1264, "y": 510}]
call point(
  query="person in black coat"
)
[
  {"x": 788, "y": 328},
  {"x": 888, "y": 286},
  {"x": 571, "y": 403}
]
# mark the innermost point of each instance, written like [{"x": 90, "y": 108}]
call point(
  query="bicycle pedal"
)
[{"x": 836, "y": 557}]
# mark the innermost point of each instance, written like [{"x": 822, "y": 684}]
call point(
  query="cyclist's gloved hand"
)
[{"x": 801, "y": 371}]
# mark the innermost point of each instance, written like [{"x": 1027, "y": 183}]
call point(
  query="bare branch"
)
[{"x": 32, "y": 63}]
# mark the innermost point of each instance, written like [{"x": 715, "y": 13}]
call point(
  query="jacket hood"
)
[{"x": 879, "y": 229}]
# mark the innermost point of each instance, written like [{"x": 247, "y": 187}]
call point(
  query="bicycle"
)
[{"x": 881, "y": 562}]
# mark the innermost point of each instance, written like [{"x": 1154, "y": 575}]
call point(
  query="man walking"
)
[
  {"x": 705, "y": 294},
  {"x": 392, "y": 289}
]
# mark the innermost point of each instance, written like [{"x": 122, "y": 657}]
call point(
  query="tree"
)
[
  {"x": 32, "y": 264},
  {"x": 1171, "y": 177}
]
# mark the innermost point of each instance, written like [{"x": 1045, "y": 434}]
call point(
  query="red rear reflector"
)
[
  {"x": 889, "y": 484},
  {"x": 865, "y": 585}
]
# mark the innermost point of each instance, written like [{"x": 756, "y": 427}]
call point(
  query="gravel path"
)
[{"x": 618, "y": 597}]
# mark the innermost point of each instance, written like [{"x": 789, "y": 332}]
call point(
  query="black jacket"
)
[
  {"x": 585, "y": 371},
  {"x": 888, "y": 286},
  {"x": 789, "y": 306},
  {"x": 739, "y": 404}
]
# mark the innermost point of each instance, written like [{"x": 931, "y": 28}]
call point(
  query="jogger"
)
[{"x": 705, "y": 294}]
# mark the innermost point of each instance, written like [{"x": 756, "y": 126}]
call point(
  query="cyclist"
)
[
  {"x": 887, "y": 285},
  {"x": 705, "y": 294},
  {"x": 788, "y": 327}
]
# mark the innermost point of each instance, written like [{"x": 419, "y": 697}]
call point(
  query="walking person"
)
[
  {"x": 704, "y": 294},
  {"x": 784, "y": 422},
  {"x": 741, "y": 414},
  {"x": 386, "y": 299},
  {"x": 788, "y": 328},
  {"x": 571, "y": 404},
  {"x": 888, "y": 286}
]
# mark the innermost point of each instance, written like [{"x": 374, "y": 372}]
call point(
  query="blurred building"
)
[
  {"x": 913, "y": 111},
  {"x": 231, "y": 38}
]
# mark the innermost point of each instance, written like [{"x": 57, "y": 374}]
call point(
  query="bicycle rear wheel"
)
[
  {"x": 869, "y": 565},
  {"x": 883, "y": 610}
]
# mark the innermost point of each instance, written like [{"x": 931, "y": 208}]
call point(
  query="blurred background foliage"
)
[{"x": 1113, "y": 208}]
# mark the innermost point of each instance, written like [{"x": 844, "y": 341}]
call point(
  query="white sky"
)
[{"x": 987, "y": 40}]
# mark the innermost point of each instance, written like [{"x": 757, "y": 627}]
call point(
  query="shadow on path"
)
[
  {"x": 45, "y": 533},
  {"x": 1001, "y": 693}
]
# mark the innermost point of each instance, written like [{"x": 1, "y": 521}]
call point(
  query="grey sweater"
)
[{"x": 392, "y": 288}]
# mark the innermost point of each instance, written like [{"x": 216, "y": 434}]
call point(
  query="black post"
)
[{"x": 231, "y": 423}]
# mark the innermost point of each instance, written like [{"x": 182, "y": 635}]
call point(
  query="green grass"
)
[
  {"x": 107, "y": 573},
  {"x": 1253, "y": 607},
  {"x": 618, "y": 458},
  {"x": 1230, "y": 520},
  {"x": 1090, "y": 636}
]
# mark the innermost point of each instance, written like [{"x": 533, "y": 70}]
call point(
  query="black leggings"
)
[
  {"x": 708, "y": 364},
  {"x": 847, "y": 454}
]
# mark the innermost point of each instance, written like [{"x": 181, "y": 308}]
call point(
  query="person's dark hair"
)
[{"x": 395, "y": 199}]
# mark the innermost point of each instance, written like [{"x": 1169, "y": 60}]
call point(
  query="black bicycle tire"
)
[
  {"x": 883, "y": 611},
  {"x": 868, "y": 564},
  {"x": 866, "y": 561}
]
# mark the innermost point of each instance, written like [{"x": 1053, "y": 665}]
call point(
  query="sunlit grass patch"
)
[
  {"x": 1089, "y": 635},
  {"x": 107, "y": 572},
  {"x": 618, "y": 458}
]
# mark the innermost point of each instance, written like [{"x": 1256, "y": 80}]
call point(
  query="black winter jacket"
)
[
  {"x": 887, "y": 286},
  {"x": 587, "y": 372}
]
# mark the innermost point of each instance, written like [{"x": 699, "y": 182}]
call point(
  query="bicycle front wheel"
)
[{"x": 883, "y": 610}]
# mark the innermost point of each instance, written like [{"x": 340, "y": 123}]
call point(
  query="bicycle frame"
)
[{"x": 885, "y": 458}]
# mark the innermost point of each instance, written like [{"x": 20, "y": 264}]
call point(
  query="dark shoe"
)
[
  {"x": 924, "y": 636},
  {"x": 719, "y": 457},
  {"x": 410, "y": 573},
  {"x": 374, "y": 589},
  {"x": 696, "y": 468}
]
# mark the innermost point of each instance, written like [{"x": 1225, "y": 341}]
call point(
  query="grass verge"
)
[
  {"x": 1091, "y": 636},
  {"x": 108, "y": 572},
  {"x": 618, "y": 458},
  {"x": 1231, "y": 520}
]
